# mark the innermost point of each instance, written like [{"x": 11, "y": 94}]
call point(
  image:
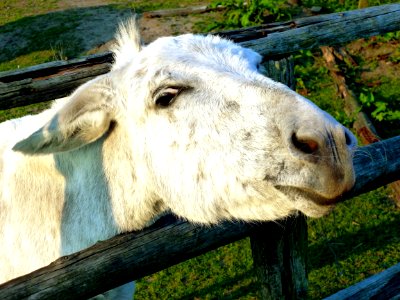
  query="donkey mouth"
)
[{"x": 311, "y": 195}]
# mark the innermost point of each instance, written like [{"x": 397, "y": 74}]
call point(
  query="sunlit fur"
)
[{"x": 108, "y": 159}]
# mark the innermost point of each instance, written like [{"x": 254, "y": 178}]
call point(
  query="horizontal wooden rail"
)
[
  {"x": 133, "y": 255},
  {"x": 376, "y": 165},
  {"x": 384, "y": 285},
  {"x": 330, "y": 29},
  {"x": 57, "y": 79},
  {"x": 51, "y": 80}
]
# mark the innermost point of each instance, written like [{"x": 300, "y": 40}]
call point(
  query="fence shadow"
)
[
  {"x": 373, "y": 238},
  {"x": 249, "y": 286}
]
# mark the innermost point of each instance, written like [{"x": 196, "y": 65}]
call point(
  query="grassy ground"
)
[{"x": 361, "y": 237}]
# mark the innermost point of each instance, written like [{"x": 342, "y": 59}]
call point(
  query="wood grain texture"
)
[
  {"x": 329, "y": 29},
  {"x": 375, "y": 165},
  {"x": 280, "y": 258},
  {"x": 280, "y": 249},
  {"x": 383, "y": 286},
  {"x": 57, "y": 79},
  {"x": 49, "y": 81}
]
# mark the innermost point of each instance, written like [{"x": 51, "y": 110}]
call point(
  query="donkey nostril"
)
[
  {"x": 305, "y": 145},
  {"x": 349, "y": 140}
]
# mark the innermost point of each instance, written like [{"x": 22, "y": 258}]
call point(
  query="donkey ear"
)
[
  {"x": 127, "y": 43},
  {"x": 85, "y": 118}
]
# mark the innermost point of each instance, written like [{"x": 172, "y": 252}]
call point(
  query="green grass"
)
[
  {"x": 314, "y": 82},
  {"x": 361, "y": 237},
  {"x": 225, "y": 273},
  {"x": 41, "y": 39},
  {"x": 358, "y": 240},
  {"x": 44, "y": 39},
  {"x": 17, "y": 112},
  {"x": 11, "y": 10},
  {"x": 26, "y": 60}
]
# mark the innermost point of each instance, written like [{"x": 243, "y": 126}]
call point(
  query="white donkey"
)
[{"x": 185, "y": 124}]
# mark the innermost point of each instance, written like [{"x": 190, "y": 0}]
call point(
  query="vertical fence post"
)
[{"x": 280, "y": 249}]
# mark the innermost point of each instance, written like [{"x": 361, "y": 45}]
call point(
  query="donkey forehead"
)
[{"x": 205, "y": 51}]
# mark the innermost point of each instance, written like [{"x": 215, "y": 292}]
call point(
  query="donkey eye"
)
[{"x": 167, "y": 96}]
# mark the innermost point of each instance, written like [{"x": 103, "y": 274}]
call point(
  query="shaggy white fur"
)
[{"x": 186, "y": 124}]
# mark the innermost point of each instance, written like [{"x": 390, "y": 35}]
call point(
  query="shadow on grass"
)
[
  {"x": 231, "y": 288},
  {"x": 368, "y": 238},
  {"x": 60, "y": 35}
]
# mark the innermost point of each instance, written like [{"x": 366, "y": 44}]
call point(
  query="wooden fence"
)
[{"x": 279, "y": 252}]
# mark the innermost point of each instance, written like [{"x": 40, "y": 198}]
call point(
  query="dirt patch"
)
[
  {"x": 68, "y": 4},
  {"x": 151, "y": 28},
  {"x": 379, "y": 60}
]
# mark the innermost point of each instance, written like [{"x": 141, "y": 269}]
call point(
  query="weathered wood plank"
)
[
  {"x": 55, "y": 67},
  {"x": 375, "y": 165},
  {"x": 280, "y": 249},
  {"x": 54, "y": 80},
  {"x": 270, "y": 40},
  {"x": 330, "y": 29},
  {"x": 132, "y": 255},
  {"x": 384, "y": 285},
  {"x": 280, "y": 258}
]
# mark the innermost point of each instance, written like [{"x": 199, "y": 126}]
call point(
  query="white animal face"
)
[{"x": 209, "y": 136}]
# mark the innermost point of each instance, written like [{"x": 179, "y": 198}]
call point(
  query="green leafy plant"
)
[
  {"x": 241, "y": 13},
  {"x": 380, "y": 110},
  {"x": 390, "y": 36},
  {"x": 367, "y": 99}
]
